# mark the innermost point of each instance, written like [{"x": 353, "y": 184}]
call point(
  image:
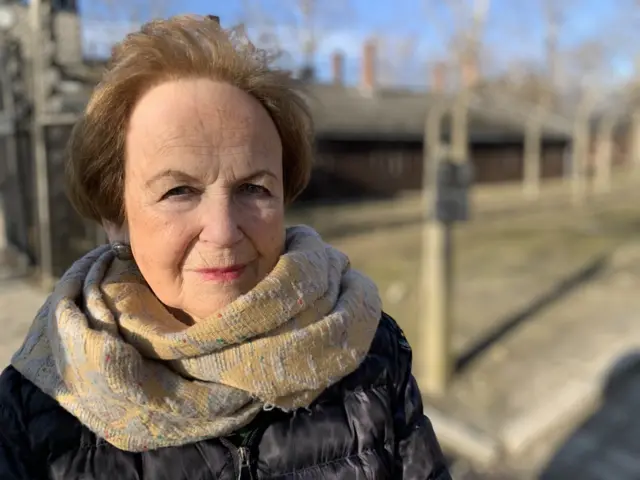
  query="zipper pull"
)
[{"x": 243, "y": 455}]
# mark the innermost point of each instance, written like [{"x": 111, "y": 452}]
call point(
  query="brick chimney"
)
[
  {"x": 439, "y": 77},
  {"x": 368, "y": 81},
  {"x": 337, "y": 68}
]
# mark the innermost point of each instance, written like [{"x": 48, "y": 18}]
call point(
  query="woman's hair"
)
[{"x": 177, "y": 48}]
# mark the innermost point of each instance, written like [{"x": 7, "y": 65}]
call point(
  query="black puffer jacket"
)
[{"x": 368, "y": 426}]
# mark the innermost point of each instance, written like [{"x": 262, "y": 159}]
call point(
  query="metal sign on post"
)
[
  {"x": 453, "y": 182},
  {"x": 450, "y": 204}
]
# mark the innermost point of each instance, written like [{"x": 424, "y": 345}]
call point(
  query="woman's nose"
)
[{"x": 220, "y": 222}]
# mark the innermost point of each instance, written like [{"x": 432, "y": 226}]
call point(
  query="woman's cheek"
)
[{"x": 163, "y": 240}]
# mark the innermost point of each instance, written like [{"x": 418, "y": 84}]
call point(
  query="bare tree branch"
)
[
  {"x": 298, "y": 27},
  {"x": 397, "y": 65},
  {"x": 133, "y": 11}
]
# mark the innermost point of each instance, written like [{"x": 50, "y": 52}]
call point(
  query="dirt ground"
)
[{"x": 501, "y": 263}]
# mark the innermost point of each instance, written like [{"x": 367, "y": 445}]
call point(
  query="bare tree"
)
[
  {"x": 397, "y": 64},
  {"x": 467, "y": 49},
  {"x": 634, "y": 93},
  {"x": 298, "y": 27},
  {"x": 634, "y": 125},
  {"x": 264, "y": 31},
  {"x": 544, "y": 97},
  {"x": 554, "y": 14},
  {"x": 589, "y": 61},
  {"x": 460, "y": 26},
  {"x": 255, "y": 16},
  {"x": 131, "y": 11}
]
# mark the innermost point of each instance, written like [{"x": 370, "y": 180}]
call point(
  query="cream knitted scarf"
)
[{"x": 109, "y": 352}]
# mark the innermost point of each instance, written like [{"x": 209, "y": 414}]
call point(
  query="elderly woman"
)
[{"x": 207, "y": 341}]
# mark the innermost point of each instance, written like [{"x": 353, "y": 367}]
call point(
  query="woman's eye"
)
[
  {"x": 253, "y": 189},
  {"x": 178, "y": 192}
]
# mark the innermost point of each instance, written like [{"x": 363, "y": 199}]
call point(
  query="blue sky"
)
[{"x": 411, "y": 33}]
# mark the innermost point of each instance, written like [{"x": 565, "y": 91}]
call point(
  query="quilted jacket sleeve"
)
[
  {"x": 418, "y": 453},
  {"x": 15, "y": 457}
]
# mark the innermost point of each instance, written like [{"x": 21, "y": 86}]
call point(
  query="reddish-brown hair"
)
[{"x": 162, "y": 50}]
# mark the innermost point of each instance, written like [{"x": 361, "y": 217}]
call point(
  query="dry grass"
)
[{"x": 501, "y": 263}]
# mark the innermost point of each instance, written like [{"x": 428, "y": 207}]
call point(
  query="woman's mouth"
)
[{"x": 224, "y": 274}]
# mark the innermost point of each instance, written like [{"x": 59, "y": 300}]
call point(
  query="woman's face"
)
[{"x": 203, "y": 193}]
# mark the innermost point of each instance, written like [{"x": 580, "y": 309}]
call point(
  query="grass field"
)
[{"x": 502, "y": 261}]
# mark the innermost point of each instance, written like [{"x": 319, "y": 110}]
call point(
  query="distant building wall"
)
[{"x": 359, "y": 169}]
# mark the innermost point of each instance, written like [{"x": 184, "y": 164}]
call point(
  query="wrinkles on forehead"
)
[
  {"x": 213, "y": 136},
  {"x": 196, "y": 129}
]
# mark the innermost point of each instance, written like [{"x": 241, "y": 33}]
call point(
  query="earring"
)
[{"x": 122, "y": 250}]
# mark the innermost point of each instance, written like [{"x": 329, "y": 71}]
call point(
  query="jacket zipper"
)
[
  {"x": 244, "y": 456},
  {"x": 243, "y": 452},
  {"x": 244, "y": 464}
]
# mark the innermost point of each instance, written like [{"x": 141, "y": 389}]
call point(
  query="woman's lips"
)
[{"x": 226, "y": 274}]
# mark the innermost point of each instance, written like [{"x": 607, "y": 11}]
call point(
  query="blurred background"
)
[{"x": 480, "y": 159}]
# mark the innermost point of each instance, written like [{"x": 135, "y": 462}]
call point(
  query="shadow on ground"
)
[
  {"x": 607, "y": 445},
  {"x": 556, "y": 293}
]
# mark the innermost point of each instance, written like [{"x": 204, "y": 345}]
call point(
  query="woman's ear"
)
[{"x": 116, "y": 233}]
